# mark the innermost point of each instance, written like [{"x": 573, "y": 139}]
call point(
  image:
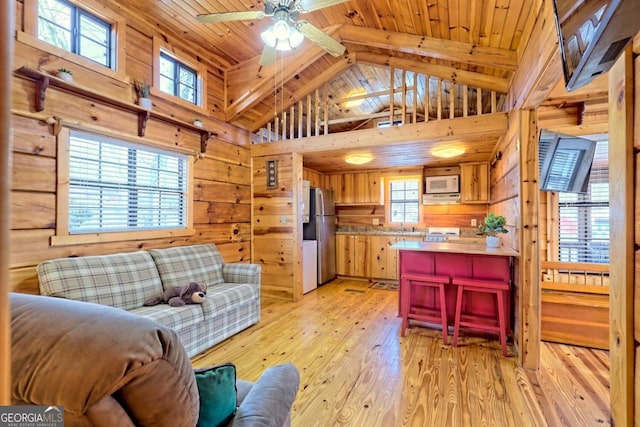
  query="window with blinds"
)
[
  {"x": 404, "y": 201},
  {"x": 119, "y": 186},
  {"x": 584, "y": 217}
]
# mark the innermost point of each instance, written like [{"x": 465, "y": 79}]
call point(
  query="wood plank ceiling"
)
[{"x": 466, "y": 42}]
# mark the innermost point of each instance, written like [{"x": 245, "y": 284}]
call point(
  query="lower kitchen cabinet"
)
[
  {"x": 366, "y": 256},
  {"x": 352, "y": 255}
]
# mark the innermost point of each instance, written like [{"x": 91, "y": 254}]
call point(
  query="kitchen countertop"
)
[
  {"x": 384, "y": 233},
  {"x": 468, "y": 248}
]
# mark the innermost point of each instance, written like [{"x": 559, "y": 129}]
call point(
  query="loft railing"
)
[{"x": 442, "y": 99}]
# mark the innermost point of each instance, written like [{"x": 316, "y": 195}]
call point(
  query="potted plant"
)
[
  {"x": 64, "y": 74},
  {"x": 491, "y": 226},
  {"x": 143, "y": 89},
  {"x": 197, "y": 122}
]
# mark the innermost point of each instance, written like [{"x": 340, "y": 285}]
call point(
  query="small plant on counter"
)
[
  {"x": 492, "y": 225},
  {"x": 64, "y": 70}
]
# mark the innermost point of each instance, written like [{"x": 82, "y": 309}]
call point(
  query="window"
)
[
  {"x": 118, "y": 186},
  {"x": 178, "y": 79},
  {"x": 584, "y": 217},
  {"x": 80, "y": 32},
  {"x": 404, "y": 201},
  {"x": 75, "y": 30}
]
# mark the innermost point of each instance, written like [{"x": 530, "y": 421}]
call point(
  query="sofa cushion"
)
[
  {"x": 184, "y": 264},
  {"x": 223, "y": 297},
  {"x": 173, "y": 317},
  {"x": 121, "y": 280},
  {"x": 217, "y": 389}
]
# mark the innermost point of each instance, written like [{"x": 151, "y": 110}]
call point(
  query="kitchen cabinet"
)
[
  {"x": 352, "y": 255},
  {"x": 355, "y": 188},
  {"x": 368, "y": 256},
  {"x": 474, "y": 182},
  {"x": 382, "y": 258}
]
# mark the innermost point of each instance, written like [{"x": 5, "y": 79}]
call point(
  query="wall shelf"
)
[{"x": 44, "y": 80}]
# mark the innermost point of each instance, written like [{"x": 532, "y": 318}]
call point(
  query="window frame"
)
[
  {"x": 160, "y": 46},
  {"x": 553, "y": 227},
  {"x": 64, "y": 237},
  {"x": 387, "y": 195},
  {"x": 29, "y": 36}
]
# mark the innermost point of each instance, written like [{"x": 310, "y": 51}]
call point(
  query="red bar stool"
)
[
  {"x": 410, "y": 309},
  {"x": 498, "y": 288}
]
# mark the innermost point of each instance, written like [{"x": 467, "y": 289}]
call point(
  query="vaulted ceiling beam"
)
[
  {"x": 465, "y": 53},
  {"x": 249, "y": 82},
  {"x": 344, "y": 63},
  {"x": 470, "y": 78}
]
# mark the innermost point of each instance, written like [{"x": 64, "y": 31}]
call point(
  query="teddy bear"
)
[{"x": 177, "y": 296}]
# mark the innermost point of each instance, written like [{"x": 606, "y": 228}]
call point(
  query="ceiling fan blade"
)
[
  {"x": 318, "y": 36},
  {"x": 231, "y": 16},
  {"x": 311, "y": 5},
  {"x": 268, "y": 56}
]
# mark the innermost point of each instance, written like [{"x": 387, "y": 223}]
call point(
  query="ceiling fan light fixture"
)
[
  {"x": 358, "y": 159},
  {"x": 283, "y": 45},
  {"x": 296, "y": 38},
  {"x": 448, "y": 152},
  {"x": 268, "y": 37},
  {"x": 281, "y": 30}
]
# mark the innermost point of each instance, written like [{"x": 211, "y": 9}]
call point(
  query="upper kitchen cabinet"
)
[
  {"x": 355, "y": 188},
  {"x": 474, "y": 182}
]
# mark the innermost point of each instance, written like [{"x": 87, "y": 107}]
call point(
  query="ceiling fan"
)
[{"x": 287, "y": 32}]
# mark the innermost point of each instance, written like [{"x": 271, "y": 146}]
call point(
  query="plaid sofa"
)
[{"x": 126, "y": 280}]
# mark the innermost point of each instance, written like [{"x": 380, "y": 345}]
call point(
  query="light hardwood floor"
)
[{"x": 356, "y": 370}]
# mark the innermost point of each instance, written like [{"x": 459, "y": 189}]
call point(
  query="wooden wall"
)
[
  {"x": 7, "y": 26},
  {"x": 222, "y": 179},
  {"x": 277, "y": 226}
]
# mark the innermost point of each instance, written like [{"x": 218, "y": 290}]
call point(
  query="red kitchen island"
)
[{"x": 484, "y": 272}]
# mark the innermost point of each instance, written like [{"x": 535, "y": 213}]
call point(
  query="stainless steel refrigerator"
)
[{"x": 322, "y": 228}]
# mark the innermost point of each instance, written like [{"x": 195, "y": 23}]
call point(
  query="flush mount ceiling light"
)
[
  {"x": 448, "y": 152},
  {"x": 358, "y": 159}
]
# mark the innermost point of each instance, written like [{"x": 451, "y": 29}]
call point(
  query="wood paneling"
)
[
  {"x": 621, "y": 220},
  {"x": 7, "y": 26},
  {"x": 277, "y": 226},
  {"x": 222, "y": 179}
]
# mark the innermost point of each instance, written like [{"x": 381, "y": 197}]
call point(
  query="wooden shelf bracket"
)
[{"x": 43, "y": 81}]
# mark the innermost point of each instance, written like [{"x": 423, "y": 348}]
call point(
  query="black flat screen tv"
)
[
  {"x": 565, "y": 162},
  {"x": 592, "y": 34}
]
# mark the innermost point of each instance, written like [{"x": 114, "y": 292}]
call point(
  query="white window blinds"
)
[
  {"x": 119, "y": 186},
  {"x": 584, "y": 217}
]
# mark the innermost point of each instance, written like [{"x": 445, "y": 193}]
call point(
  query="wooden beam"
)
[
  {"x": 337, "y": 68},
  {"x": 249, "y": 82},
  {"x": 529, "y": 262},
  {"x": 488, "y": 126},
  {"x": 621, "y": 207},
  {"x": 539, "y": 66},
  {"x": 470, "y": 78},
  {"x": 465, "y": 53},
  {"x": 7, "y": 45}
]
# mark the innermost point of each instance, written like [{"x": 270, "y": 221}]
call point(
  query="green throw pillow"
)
[{"x": 217, "y": 389}]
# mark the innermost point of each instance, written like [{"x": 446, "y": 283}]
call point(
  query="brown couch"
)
[{"x": 109, "y": 367}]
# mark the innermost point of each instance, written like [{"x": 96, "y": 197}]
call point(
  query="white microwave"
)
[{"x": 442, "y": 184}]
